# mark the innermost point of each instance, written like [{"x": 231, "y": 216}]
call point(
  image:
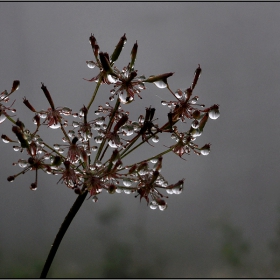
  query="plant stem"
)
[{"x": 64, "y": 226}]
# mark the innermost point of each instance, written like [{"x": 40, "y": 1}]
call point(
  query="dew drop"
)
[
  {"x": 66, "y": 111},
  {"x": 162, "y": 207},
  {"x": 169, "y": 191},
  {"x": 119, "y": 190},
  {"x": 42, "y": 114},
  {"x": 22, "y": 163},
  {"x": 16, "y": 148},
  {"x": 95, "y": 199},
  {"x": 94, "y": 148},
  {"x": 177, "y": 189},
  {"x": 98, "y": 163},
  {"x": 112, "y": 144},
  {"x": 196, "y": 132},
  {"x": 71, "y": 133},
  {"x": 127, "y": 191},
  {"x": 5, "y": 140},
  {"x": 205, "y": 151},
  {"x": 55, "y": 125},
  {"x": 155, "y": 139},
  {"x": 214, "y": 114},
  {"x": 154, "y": 160},
  {"x": 2, "y": 118},
  {"x": 98, "y": 139},
  {"x": 127, "y": 182},
  {"x": 194, "y": 100},
  {"x": 160, "y": 84},
  {"x": 111, "y": 79},
  {"x": 100, "y": 120},
  {"x": 179, "y": 94},
  {"x": 75, "y": 124},
  {"x": 153, "y": 205},
  {"x": 90, "y": 64},
  {"x": 195, "y": 124},
  {"x": 164, "y": 103}
]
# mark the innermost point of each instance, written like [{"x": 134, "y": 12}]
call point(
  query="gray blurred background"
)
[{"x": 225, "y": 222}]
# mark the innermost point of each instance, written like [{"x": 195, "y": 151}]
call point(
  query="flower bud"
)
[
  {"x": 15, "y": 86},
  {"x": 155, "y": 176},
  {"x": 11, "y": 178},
  {"x": 28, "y": 105},
  {"x": 33, "y": 186},
  {"x": 48, "y": 96},
  {"x": 203, "y": 122},
  {"x": 196, "y": 76},
  {"x": 160, "y": 80},
  {"x": 118, "y": 49},
  {"x": 112, "y": 189},
  {"x": 105, "y": 62},
  {"x": 120, "y": 123},
  {"x": 77, "y": 190},
  {"x": 196, "y": 114},
  {"x": 6, "y": 139},
  {"x": 20, "y": 136},
  {"x": 132, "y": 169},
  {"x": 56, "y": 161},
  {"x": 133, "y": 55},
  {"x": 92, "y": 41}
]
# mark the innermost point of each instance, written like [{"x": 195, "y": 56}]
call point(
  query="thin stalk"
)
[
  {"x": 10, "y": 119},
  {"x": 95, "y": 92},
  {"x": 64, "y": 226},
  {"x": 108, "y": 129}
]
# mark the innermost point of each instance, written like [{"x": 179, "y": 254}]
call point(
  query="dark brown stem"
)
[{"x": 64, "y": 226}]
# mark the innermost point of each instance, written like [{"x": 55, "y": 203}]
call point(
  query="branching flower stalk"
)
[{"x": 90, "y": 159}]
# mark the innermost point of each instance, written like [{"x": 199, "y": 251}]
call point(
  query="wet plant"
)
[{"x": 91, "y": 159}]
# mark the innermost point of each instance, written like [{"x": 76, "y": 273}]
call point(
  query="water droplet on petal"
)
[
  {"x": 160, "y": 84},
  {"x": 169, "y": 191},
  {"x": 95, "y": 199},
  {"x": 16, "y": 148}
]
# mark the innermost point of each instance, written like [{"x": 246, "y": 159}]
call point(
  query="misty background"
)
[{"x": 228, "y": 214}]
